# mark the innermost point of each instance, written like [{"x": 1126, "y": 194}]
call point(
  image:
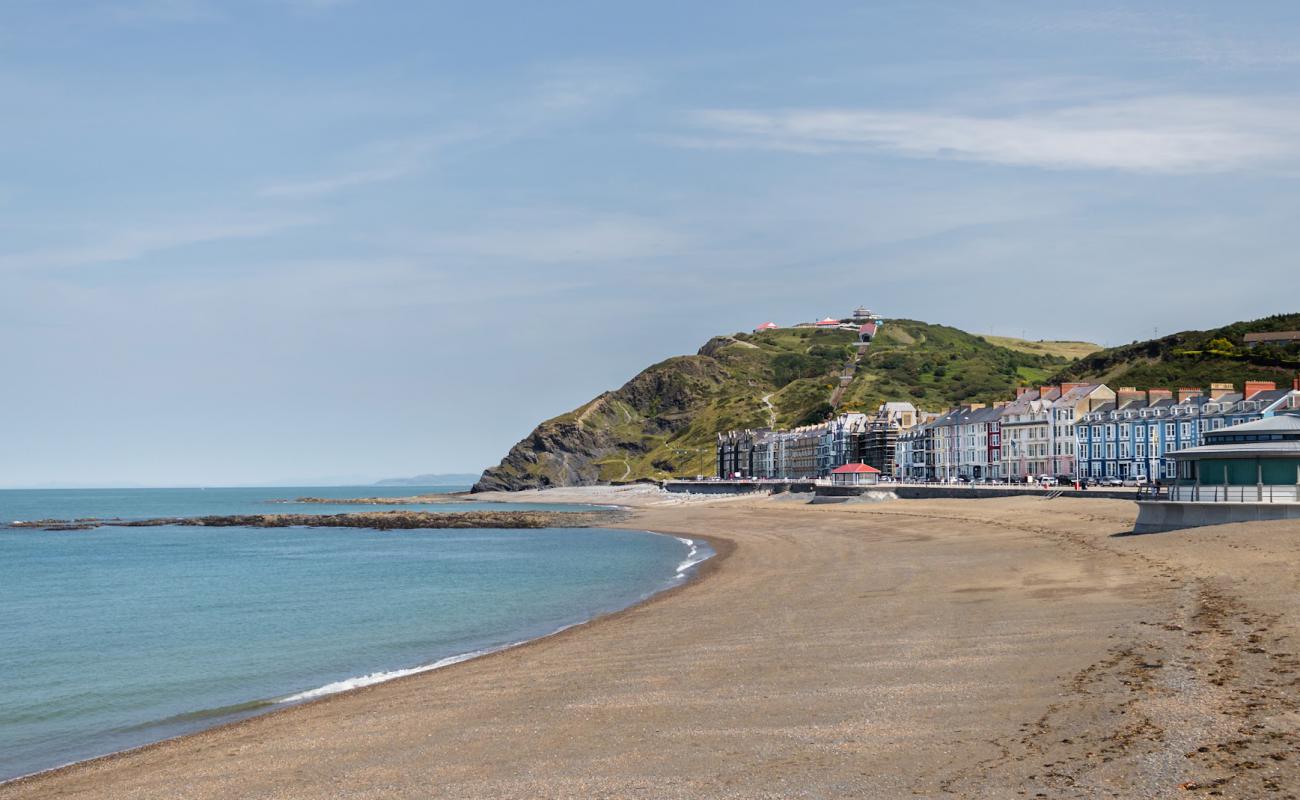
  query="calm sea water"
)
[
  {"x": 25, "y": 504},
  {"x": 115, "y": 637}
]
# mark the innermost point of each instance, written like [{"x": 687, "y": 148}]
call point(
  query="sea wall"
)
[
  {"x": 903, "y": 492},
  {"x": 985, "y": 492},
  {"x": 736, "y": 487},
  {"x": 1155, "y": 516}
]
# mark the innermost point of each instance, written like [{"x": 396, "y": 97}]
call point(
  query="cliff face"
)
[
  {"x": 608, "y": 438},
  {"x": 663, "y": 423}
]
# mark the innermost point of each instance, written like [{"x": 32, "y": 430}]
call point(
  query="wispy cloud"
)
[
  {"x": 378, "y": 162},
  {"x": 558, "y": 96},
  {"x": 559, "y": 239},
  {"x": 1160, "y": 134},
  {"x": 327, "y": 184},
  {"x": 130, "y": 243}
]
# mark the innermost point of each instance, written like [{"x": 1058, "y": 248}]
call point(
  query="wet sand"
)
[{"x": 970, "y": 648}]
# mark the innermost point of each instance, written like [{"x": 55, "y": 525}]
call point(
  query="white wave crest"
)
[
  {"x": 380, "y": 677},
  {"x": 694, "y": 555}
]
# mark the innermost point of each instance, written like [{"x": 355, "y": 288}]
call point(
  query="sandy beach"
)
[{"x": 1017, "y": 647}]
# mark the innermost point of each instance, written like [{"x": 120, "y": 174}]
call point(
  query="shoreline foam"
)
[{"x": 260, "y": 707}]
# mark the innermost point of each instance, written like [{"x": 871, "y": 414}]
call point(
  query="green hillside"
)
[
  {"x": 1065, "y": 348},
  {"x": 1194, "y": 358},
  {"x": 935, "y": 366},
  {"x": 663, "y": 422}
]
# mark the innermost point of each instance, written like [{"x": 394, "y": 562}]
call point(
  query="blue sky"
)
[{"x": 266, "y": 240}]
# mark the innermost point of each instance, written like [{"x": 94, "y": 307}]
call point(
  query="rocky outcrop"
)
[{"x": 587, "y": 446}]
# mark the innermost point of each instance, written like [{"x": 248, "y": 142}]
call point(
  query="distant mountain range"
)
[{"x": 433, "y": 479}]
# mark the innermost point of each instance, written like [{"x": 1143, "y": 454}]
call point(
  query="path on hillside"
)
[
  {"x": 845, "y": 378},
  {"x": 771, "y": 410}
]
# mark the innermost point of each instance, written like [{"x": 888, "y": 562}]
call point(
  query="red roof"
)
[
  {"x": 870, "y": 328},
  {"x": 766, "y": 326},
  {"x": 829, "y": 321},
  {"x": 852, "y": 468}
]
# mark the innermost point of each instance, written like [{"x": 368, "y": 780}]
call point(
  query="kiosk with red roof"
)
[{"x": 855, "y": 475}]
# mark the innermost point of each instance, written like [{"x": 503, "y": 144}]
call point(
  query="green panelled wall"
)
[{"x": 1244, "y": 472}]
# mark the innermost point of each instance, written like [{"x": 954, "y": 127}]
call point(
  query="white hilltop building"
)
[{"x": 863, "y": 320}]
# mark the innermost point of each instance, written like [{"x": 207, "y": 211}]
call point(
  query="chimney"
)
[
  {"x": 974, "y": 406},
  {"x": 1255, "y": 387},
  {"x": 1069, "y": 387},
  {"x": 1044, "y": 392},
  {"x": 1128, "y": 394},
  {"x": 1004, "y": 403},
  {"x": 1156, "y": 395},
  {"x": 1218, "y": 390},
  {"x": 1021, "y": 391},
  {"x": 1295, "y": 383},
  {"x": 1185, "y": 393}
]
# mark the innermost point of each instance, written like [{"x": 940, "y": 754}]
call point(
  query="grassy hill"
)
[
  {"x": 1193, "y": 358},
  {"x": 935, "y": 366},
  {"x": 1062, "y": 348},
  {"x": 663, "y": 422}
]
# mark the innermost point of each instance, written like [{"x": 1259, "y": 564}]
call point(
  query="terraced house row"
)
[
  {"x": 1071, "y": 431},
  {"x": 1137, "y": 435}
]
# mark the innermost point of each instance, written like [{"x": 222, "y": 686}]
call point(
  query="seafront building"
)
[
  {"x": 1140, "y": 434},
  {"x": 1027, "y": 433},
  {"x": 1254, "y": 462},
  {"x": 1073, "y": 431},
  {"x": 815, "y": 451}
]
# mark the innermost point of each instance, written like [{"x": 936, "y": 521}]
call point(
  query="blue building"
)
[{"x": 1137, "y": 436}]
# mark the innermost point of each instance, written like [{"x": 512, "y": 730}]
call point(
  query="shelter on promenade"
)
[
  {"x": 855, "y": 475},
  {"x": 1258, "y": 462}
]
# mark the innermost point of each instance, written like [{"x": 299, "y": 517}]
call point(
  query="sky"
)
[{"x": 252, "y": 241}]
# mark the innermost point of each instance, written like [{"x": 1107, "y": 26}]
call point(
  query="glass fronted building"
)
[{"x": 1257, "y": 462}]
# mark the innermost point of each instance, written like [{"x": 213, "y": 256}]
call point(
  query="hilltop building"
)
[{"x": 1280, "y": 338}]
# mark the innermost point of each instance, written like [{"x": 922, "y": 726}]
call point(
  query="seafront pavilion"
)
[
  {"x": 1256, "y": 462},
  {"x": 1243, "y": 473}
]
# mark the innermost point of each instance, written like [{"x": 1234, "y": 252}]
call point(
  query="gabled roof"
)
[
  {"x": 828, "y": 321},
  {"x": 850, "y": 469},
  {"x": 767, "y": 326}
]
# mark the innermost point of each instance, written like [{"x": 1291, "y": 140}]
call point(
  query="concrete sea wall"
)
[{"x": 1164, "y": 515}]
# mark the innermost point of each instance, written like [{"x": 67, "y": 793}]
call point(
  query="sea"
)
[{"x": 112, "y": 638}]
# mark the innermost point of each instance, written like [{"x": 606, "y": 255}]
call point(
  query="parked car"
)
[{"x": 1112, "y": 482}]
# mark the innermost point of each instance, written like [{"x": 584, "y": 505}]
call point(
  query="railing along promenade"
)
[{"x": 1248, "y": 493}]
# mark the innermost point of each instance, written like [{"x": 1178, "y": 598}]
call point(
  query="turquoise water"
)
[
  {"x": 115, "y": 637},
  {"x": 28, "y": 504}
]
